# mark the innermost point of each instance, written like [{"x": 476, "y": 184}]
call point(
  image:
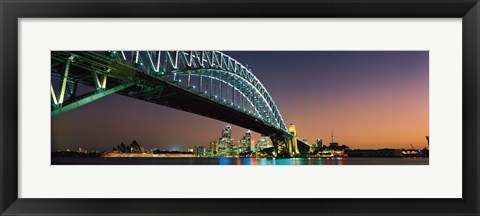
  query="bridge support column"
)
[
  {"x": 292, "y": 142},
  {"x": 280, "y": 143}
]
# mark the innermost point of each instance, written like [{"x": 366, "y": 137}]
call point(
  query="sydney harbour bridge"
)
[{"x": 207, "y": 83}]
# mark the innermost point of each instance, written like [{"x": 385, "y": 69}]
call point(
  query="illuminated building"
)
[
  {"x": 227, "y": 132},
  {"x": 246, "y": 142},
  {"x": 319, "y": 143},
  {"x": 264, "y": 143},
  {"x": 225, "y": 147},
  {"x": 252, "y": 145},
  {"x": 374, "y": 153},
  {"x": 314, "y": 147},
  {"x": 236, "y": 149},
  {"x": 214, "y": 147},
  {"x": 199, "y": 151},
  {"x": 134, "y": 147}
]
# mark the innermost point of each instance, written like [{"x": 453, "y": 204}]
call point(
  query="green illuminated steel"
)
[
  {"x": 218, "y": 77},
  {"x": 100, "y": 84},
  {"x": 54, "y": 98},
  {"x": 91, "y": 98},
  {"x": 64, "y": 80},
  {"x": 173, "y": 63}
]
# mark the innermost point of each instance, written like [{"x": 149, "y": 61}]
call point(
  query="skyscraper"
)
[
  {"x": 227, "y": 132},
  {"x": 214, "y": 147},
  {"x": 245, "y": 142},
  {"x": 225, "y": 142}
]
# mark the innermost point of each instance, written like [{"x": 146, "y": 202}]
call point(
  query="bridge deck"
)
[{"x": 158, "y": 91}]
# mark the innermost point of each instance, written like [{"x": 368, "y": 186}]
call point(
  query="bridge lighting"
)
[{"x": 243, "y": 87}]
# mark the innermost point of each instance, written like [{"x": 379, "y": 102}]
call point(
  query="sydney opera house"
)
[{"x": 134, "y": 147}]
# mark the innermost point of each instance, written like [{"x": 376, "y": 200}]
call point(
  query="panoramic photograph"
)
[{"x": 204, "y": 107}]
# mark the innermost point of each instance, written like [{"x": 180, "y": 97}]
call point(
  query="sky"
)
[{"x": 369, "y": 99}]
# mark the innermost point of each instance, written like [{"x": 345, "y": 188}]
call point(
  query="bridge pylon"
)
[
  {"x": 280, "y": 143},
  {"x": 286, "y": 145},
  {"x": 292, "y": 141}
]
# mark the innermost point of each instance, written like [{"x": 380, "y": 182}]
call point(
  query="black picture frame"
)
[{"x": 12, "y": 10}]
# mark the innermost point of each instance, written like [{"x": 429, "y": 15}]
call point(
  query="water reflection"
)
[
  {"x": 224, "y": 161},
  {"x": 238, "y": 161},
  {"x": 281, "y": 161},
  {"x": 322, "y": 161}
]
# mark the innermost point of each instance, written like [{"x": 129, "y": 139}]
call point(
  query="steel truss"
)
[
  {"x": 217, "y": 77},
  {"x": 65, "y": 98}
]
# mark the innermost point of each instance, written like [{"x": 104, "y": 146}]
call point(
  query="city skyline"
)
[{"x": 369, "y": 99}]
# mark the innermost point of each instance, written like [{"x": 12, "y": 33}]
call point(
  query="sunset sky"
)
[{"x": 369, "y": 99}]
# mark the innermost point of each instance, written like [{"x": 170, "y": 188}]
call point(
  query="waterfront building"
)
[
  {"x": 319, "y": 143},
  {"x": 374, "y": 152},
  {"x": 252, "y": 146},
  {"x": 134, "y": 147},
  {"x": 214, "y": 147},
  {"x": 264, "y": 143},
  {"x": 236, "y": 149},
  {"x": 246, "y": 142},
  {"x": 314, "y": 147},
  {"x": 199, "y": 151},
  {"x": 225, "y": 147},
  {"x": 227, "y": 132}
]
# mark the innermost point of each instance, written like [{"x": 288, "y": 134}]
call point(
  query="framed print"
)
[{"x": 224, "y": 107}]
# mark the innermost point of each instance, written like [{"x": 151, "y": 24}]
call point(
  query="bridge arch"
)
[
  {"x": 118, "y": 71},
  {"x": 167, "y": 64}
]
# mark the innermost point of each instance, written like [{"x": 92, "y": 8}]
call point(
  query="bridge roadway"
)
[{"x": 153, "y": 89}]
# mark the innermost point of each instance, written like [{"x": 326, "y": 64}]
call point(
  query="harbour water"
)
[{"x": 237, "y": 161}]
